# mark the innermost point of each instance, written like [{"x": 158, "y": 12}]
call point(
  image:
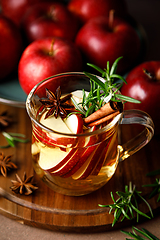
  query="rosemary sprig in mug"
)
[{"x": 102, "y": 91}]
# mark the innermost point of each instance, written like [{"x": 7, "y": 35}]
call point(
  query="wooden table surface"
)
[{"x": 147, "y": 13}]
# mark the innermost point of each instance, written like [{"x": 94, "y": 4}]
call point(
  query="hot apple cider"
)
[
  {"x": 75, "y": 118},
  {"x": 71, "y": 164}
]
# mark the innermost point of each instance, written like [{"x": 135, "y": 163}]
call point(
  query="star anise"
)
[
  {"x": 6, "y": 164},
  {"x": 4, "y": 119},
  {"x": 56, "y": 104},
  {"x": 24, "y": 186}
]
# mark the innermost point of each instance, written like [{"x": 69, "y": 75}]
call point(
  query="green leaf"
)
[
  {"x": 114, "y": 66},
  {"x": 126, "y": 205},
  {"x": 96, "y": 67},
  {"x": 95, "y": 79},
  {"x": 127, "y": 99},
  {"x": 143, "y": 232}
]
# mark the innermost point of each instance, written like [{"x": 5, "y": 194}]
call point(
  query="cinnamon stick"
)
[
  {"x": 104, "y": 112},
  {"x": 103, "y": 120}
]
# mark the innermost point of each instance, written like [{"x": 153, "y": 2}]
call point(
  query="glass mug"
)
[{"x": 89, "y": 159}]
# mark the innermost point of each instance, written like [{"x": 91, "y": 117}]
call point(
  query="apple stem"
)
[
  {"x": 51, "y": 50},
  {"x": 149, "y": 74},
  {"x": 111, "y": 19}
]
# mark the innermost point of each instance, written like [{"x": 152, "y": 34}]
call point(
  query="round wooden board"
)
[{"x": 50, "y": 210}]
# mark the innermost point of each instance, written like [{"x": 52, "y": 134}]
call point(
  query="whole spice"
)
[
  {"x": 4, "y": 119},
  {"x": 24, "y": 186},
  {"x": 56, "y": 104},
  {"x": 6, "y": 164},
  {"x": 105, "y": 113}
]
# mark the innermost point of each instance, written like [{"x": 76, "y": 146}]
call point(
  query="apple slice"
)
[
  {"x": 70, "y": 163},
  {"x": 34, "y": 148},
  {"x": 88, "y": 147},
  {"x": 89, "y": 164},
  {"x": 75, "y": 123},
  {"x": 78, "y": 95},
  {"x": 52, "y": 158},
  {"x": 58, "y": 125},
  {"x": 106, "y": 154}
]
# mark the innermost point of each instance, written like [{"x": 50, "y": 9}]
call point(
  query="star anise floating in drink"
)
[
  {"x": 23, "y": 186},
  {"x": 6, "y": 164},
  {"x": 57, "y": 105}
]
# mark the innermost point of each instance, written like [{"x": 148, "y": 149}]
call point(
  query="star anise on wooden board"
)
[
  {"x": 4, "y": 119},
  {"x": 6, "y": 164},
  {"x": 56, "y": 104},
  {"x": 23, "y": 186}
]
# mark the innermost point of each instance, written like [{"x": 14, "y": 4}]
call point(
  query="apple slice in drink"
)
[
  {"x": 78, "y": 95},
  {"x": 52, "y": 158},
  {"x": 88, "y": 148},
  {"x": 89, "y": 164},
  {"x": 74, "y": 123},
  {"x": 70, "y": 162},
  {"x": 55, "y": 159},
  {"x": 75, "y": 159},
  {"x": 106, "y": 154}
]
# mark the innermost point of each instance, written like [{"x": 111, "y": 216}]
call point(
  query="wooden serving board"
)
[{"x": 50, "y": 210}]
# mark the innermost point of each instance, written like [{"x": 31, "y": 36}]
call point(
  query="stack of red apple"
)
[{"x": 60, "y": 36}]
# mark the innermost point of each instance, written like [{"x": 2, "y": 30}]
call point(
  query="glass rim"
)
[{"x": 33, "y": 118}]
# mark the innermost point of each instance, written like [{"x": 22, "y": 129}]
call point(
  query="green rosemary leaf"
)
[
  {"x": 78, "y": 107},
  {"x": 95, "y": 79},
  {"x": 156, "y": 189},
  {"x": 96, "y": 67},
  {"x": 153, "y": 173},
  {"x": 143, "y": 232},
  {"x": 135, "y": 236},
  {"x": 118, "y": 76},
  {"x": 114, "y": 66},
  {"x": 90, "y": 110},
  {"x": 144, "y": 200},
  {"x": 127, "y": 203},
  {"x": 127, "y": 99},
  {"x": 11, "y": 138}
]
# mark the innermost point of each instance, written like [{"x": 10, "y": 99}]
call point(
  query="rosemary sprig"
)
[
  {"x": 12, "y": 138},
  {"x": 143, "y": 232},
  {"x": 153, "y": 173},
  {"x": 103, "y": 91},
  {"x": 126, "y": 205},
  {"x": 156, "y": 189}
]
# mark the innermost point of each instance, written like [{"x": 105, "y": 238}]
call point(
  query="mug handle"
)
[{"x": 135, "y": 144}]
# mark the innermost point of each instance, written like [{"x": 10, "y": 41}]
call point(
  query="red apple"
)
[
  {"x": 87, "y": 9},
  {"x": 15, "y": 9},
  {"x": 101, "y": 40},
  {"x": 46, "y": 57},
  {"x": 10, "y": 46},
  {"x": 143, "y": 83},
  {"x": 49, "y": 20}
]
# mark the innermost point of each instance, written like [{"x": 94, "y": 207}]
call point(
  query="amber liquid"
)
[{"x": 88, "y": 173}]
